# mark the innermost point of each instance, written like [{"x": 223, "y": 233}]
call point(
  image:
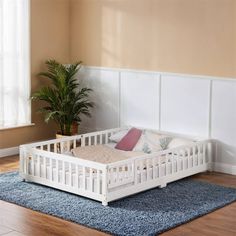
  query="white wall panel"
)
[
  {"x": 185, "y": 105},
  {"x": 224, "y": 120},
  {"x": 140, "y": 99},
  {"x": 124, "y": 97},
  {"x": 105, "y": 95}
]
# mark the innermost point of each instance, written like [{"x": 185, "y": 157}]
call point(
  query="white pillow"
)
[
  {"x": 148, "y": 142},
  {"x": 177, "y": 142},
  {"x": 118, "y": 136}
]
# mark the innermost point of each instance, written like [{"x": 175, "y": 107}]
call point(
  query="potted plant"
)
[{"x": 65, "y": 101}]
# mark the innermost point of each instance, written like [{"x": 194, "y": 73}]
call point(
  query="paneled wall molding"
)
[
  {"x": 194, "y": 105},
  {"x": 162, "y": 73}
]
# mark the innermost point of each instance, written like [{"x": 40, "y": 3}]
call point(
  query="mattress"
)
[{"x": 104, "y": 154}]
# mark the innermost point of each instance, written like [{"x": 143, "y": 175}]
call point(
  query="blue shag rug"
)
[{"x": 147, "y": 213}]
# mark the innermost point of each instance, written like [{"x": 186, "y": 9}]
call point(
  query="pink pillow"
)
[{"x": 128, "y": 142}]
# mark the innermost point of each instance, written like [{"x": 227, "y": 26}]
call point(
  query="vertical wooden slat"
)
[
  {"x": 95, "y": 140},
  {"x": 153, "y": 168},
  {"x": 132, "y": 173},
  {"x": 116, "y": 174},
  {"x": 194, "y": 157},
  {"x": 38, "y": 165},
  {"x": 57, "y": 171},
  {"x": 106, "y": 138},
  {"x": 84, "y": 178},
  {"x": 141, "y": 171},
  {"x": 82, "y": 141},
  {"x": 199, "y": 155},
  {"x": 111, "y": 175},
  {"x": 98, "y": 181},
  {"x": 159, "y": 166},
  {"x": 74, "y": 143},
  {"x": 172, "y": 163},
  {"x": 76, "y": 176},
  {"x": 70, "y": 174},
  {"x": 50, "y": 170},
  {"x": 45, "y": 167},
  {"x": 61, "y": 147},
  {"x": 55, "y": 147},
  {"x": 136, "y": 172},
  {"x": 204, "y": 153},
  {"x": 91, "y": 179},
  {"x": 63, "y": 178},
  {"x": 48, "y": 148},
  {"x": 166, "y": 163},
  {"x": 147, "y": 166},
  {"x": 27, "y": 162},
  {"x": 68, "y": 146},
  {"x": 32, "y": 161},
  {"x": 123, "y": 172},
  {"x": 89, "y": 140},
  {"x": 177, "y": 162},
  {"x": 129, "y": 170},
  {"x": 100, "y": 139},
  {"x": 189, "y": 160}
]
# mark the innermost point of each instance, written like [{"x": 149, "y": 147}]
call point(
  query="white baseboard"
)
[
  {"x": 224, "y": 168},
  {"x": 9, "y": 151}
]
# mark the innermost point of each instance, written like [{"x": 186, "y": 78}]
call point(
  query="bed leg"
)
[
  {"x": 104, "y": 203},
  {"x": 24, "y": 180},
  {"x": 163, "y": 185}
]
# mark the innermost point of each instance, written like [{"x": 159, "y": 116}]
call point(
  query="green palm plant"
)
[{"x": 64, "y": 101}]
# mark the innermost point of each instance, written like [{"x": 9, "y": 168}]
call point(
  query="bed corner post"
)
[
  {"x": 22, "y": 163},
  {"x": 163, "y": 185},
  {"x": 105, "y": 186}
]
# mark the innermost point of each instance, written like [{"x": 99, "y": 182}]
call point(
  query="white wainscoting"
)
[
  {"x": 185, "y": 105},
  {"x": 188, "y": 104},
  {"x": 223, "y": 125},
  {"x": 105, "y": 95},
  {"x": 139, "y": 99}
]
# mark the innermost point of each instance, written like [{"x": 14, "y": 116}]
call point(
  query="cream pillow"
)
[
  {"x": 118, "y": 136},
  {"x": 149, "y": 142},
  {"x": 177, "y": 142}
]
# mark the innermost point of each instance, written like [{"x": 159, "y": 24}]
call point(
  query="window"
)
[{"x": 14, "y": 63}]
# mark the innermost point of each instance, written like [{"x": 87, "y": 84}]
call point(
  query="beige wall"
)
[
  {"x": 184, "y": 36},
  {"x": 49, "y": 39}
]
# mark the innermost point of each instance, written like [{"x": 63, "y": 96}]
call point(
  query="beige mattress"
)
[{"x": 103, "y": 154}]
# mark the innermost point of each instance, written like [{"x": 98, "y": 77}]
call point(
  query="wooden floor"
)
[{"x": 19, "y": 221}]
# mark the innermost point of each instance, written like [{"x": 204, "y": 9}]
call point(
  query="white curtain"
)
[{"x": 14, "y": 63}]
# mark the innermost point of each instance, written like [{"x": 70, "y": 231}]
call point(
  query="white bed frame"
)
[{"x": 44, "y": 163}]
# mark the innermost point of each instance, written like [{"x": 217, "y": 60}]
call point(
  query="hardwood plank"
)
[
  {"x": 31, "y": 222},
  {"x": 9, "y": 163},
  {"x": 28, "y": 222}
]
